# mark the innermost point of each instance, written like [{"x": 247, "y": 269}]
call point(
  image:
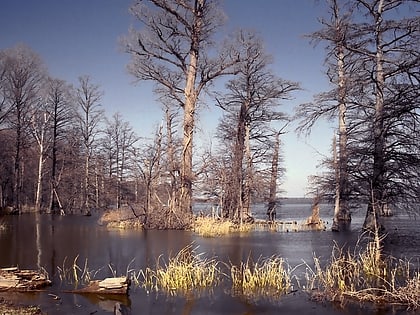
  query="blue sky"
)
[{"x": 81, "y": 37}]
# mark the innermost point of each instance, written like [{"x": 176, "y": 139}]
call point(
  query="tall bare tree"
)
[
  {"x": 24, "y": 73},
  {"x": 59, "y": 98},
  {"x": 40, "y": 119},
  {"x": 388, "y": 48},
  {"x": 334, "y": 103},
  {"x": 90, "y": 115},
  {"x": 120, "y": 145},
  {"x": 173, "y": 50},
  {"x": 149, "y": 166},
  {"x": 251, "y": 104},
  {"x": 376, "y": 52}
]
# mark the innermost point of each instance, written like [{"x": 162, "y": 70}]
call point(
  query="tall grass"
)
[
  {"x": 2, "y": 225},
  {"x": 74, "y": 274},
  {"x": 210, "y": 227},
  {"x": 366, "y": 276},
  {"x": 185, "y": 273},
  {"x": 270, "y": 277}
]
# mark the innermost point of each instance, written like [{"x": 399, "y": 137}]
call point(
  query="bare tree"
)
[
  {"x": 23, "y": 77},
  {"x": 334, "y": 103},
  {"x": 272, "y": 198},
  {"x": 5, "y": 106},
  {"x": 389, "y": 51},
  {"x": 40, "y": 119},
  {"x": 59, "y": 100},
  {"x": 88, "y": 97},
  {"x": 120, "y": 141},
  {"x": 251, "y": 104},
  {"x": 375, "y": 59},
  {"x": 173, "y": 50}
]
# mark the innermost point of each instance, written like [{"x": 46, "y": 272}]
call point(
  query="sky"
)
[{"x": 81, "y": 37}]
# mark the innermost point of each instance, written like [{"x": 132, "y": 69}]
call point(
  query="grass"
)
[
  {"x": 122, "y": 218},
  {"x": 209, "y": 227},
  {"x": 367, "y": 276},
  {"x": 270, "y": 277},
  {"x": 74, "y": 274},
  {"x": 185, "y": 273},
  {"x": 3, "y": 225}
]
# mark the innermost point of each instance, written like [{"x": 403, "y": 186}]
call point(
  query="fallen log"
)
[
  {"x": 118, "y": 285},
  {"x": 14, "y": 279}
]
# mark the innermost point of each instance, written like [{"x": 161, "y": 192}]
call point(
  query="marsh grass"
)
[
  {"x": 74, "y": 274},
  {"x": 3, "y": 225},
  {"x": 210, "y": 227},
  {"x": 270, "y": 277},
  {"x": 122, "y": 218},
  {"x": 365, "y": 276},
  {"x": 186, "y": 273}
]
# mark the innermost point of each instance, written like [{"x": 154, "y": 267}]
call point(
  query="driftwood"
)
[
  {"x": 14, "y": 279},
  {"x": 119, "y": 285}
]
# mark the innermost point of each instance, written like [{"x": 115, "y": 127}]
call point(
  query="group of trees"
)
[
  {"x": 62, "y": 154},
  {"x": 176, "y": 50},
  {"x": 59, "y": 152},
  {"x": 373, "y": 62}
]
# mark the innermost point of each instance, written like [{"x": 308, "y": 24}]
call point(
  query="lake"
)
[{"x": 34, "y": 241}]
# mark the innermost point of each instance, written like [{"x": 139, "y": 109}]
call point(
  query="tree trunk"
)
[
  {"x": 238, "y": 169},
  {"x": 271, "y": 210},
  {"x": 17, "y": 166},
  {"x": 185, "y": 199},
  {"x": 39, "y": 177},
  {"x": 53, "y": 180},
  {"x": 86, "y": 184},
  {"x": 246, "y": 194},
  {"x": 343, "y": 213},
  {"x": 377, "y": 183}
]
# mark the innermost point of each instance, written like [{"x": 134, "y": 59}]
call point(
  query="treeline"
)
[
  {"x": 59, "y": 152},
  {"x": 62, "y": 154}
]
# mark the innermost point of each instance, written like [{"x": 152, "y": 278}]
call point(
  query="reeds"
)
[
  {"x": 2, "y": 225},
  {"x": 367, "y": 276},
  {"x": 122, "y": 218},
  {"x": 269, "y": 277},
  {"x": 185, "y": 273},
  {"x": 210, "y": 227},
  {"x": 363, "y": 276},
  {"x": 74, "y": 274}
]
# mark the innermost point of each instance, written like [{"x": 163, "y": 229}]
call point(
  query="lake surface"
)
[{"x": 35, "y": 241}]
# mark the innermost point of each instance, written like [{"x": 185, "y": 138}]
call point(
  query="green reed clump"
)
[
  {"x": 185, "y": 273},
  {"x": 269, "y": 277},
  {"x": 367, "y": 276}
]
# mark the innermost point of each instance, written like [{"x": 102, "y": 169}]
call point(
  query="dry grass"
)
[
  {"x": 209, "y": 227},
  {"x": 366, "y": 276},
  {"x": 269, "y": 277},
  {"x": 3, "y": 225},
  {"x": 8, "y": 308},
  {"x": 122, "y": 218},
  {"x": 184, "y": 274},
  {"x": 74, "y": 274}
]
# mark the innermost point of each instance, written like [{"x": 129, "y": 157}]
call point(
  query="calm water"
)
[{"x": 34, "y": 241}]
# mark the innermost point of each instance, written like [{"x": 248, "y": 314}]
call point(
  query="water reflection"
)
[{"x": 32, "y": 241}]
